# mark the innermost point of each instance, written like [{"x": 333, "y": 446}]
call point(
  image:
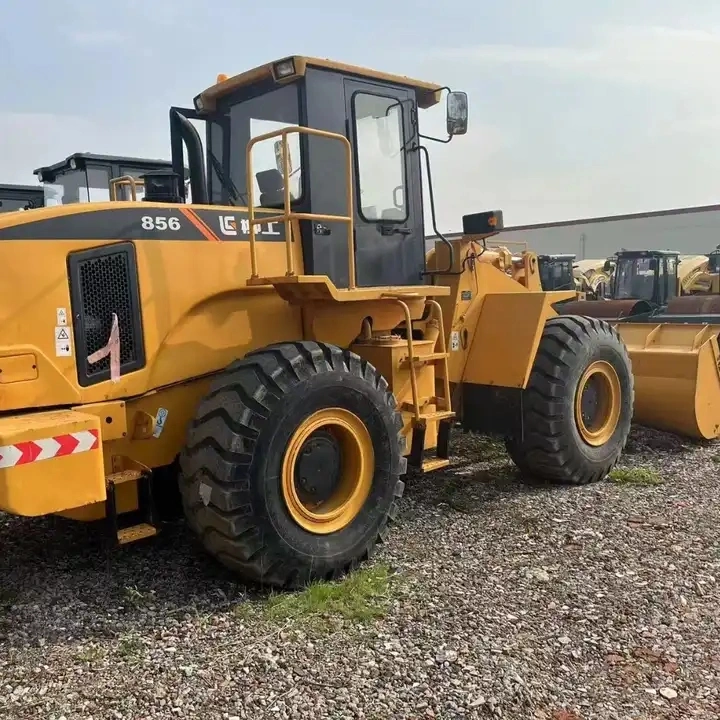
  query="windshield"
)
[
  {"x": 635, "y": 278},
  {"x": 227, "y": 150},
  {"x": 556, "y": 275}
]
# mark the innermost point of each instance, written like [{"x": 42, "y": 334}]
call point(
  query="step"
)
[
  {"x": 434, "y": 464},
  {"x": 136, "y": 532},
  {"x": 437, "y": 415},
  {"x": 429, "y": 358},
  {"x": 124, "y": 476}
]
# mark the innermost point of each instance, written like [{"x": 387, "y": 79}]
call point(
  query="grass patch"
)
[
  {"x": 130, "y": 647},
  {"x": 635, "y": 476},
  {"x": 90, "y": 654},
  {"x": 361, "y": 596}
]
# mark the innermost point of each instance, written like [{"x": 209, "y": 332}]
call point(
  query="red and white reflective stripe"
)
[{"x": 48, "y": 448}]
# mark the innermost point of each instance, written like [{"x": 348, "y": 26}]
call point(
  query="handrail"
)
[
  {"x": 288, "y": 216},
  {"x": 134, "y": 183}
]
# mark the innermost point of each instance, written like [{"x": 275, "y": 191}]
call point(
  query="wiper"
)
[{"x": 227, "y": 183}]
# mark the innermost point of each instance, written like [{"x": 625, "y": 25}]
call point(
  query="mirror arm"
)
[
  {"x": 446, "y": 242},
  {"x": 434, "y": 139}
]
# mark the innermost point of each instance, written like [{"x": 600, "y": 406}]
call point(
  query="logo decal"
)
[{"x": 228, "y": 225}]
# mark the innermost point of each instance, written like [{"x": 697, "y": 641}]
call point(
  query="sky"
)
[{"x": 576, "y": 109}]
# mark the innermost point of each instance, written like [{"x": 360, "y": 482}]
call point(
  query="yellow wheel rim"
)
[
  {"x": 597, "y": 403},
  {"x": 325, "y": 493}
]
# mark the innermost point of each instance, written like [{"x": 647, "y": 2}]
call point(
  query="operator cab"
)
[
  {"x": 20, "y": 197},
  {"x": 650, "y": 275},
  {"x": 714, "y": 261},
  {"x": 85, "y": 177},
  {"x": 556, "y": 272},
  {"x": 378, "y": 171}
]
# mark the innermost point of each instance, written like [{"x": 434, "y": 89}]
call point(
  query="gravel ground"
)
[{"x": 510, "y": 600}]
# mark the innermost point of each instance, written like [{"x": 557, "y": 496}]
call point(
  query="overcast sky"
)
[{"x": 576, "y": 109}]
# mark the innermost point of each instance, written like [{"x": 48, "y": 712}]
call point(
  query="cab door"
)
[{"x": 389, "y": 242}]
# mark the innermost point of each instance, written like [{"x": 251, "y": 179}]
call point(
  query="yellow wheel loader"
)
[
  {"x": 562, "y": 272},
  {"x": 698, "y": 274},
  {"x": 278, "y": 353},
  {"x": 597, "y": 274},
  {"x": 672, "y": 339}
]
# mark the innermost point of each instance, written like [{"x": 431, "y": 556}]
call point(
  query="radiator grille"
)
[{"x": 103, "y": 282}]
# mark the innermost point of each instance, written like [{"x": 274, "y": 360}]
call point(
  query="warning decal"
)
[{"x": 62, "y": 341}]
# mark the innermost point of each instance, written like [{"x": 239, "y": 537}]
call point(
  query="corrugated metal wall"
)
[{"x": 690, "y": 231}]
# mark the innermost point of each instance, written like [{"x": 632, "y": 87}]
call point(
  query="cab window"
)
[{"x": 380, "y": 149}]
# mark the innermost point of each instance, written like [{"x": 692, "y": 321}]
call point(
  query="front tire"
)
[
  {"x": 292, "y": 466},
  {"x": 578, "y": 405}
]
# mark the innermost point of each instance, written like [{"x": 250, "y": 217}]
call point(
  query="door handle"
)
[{"x": 394, "y": 230}]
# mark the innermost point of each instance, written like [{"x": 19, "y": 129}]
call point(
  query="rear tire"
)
[
  {"x": 567, "y": 438},
  {"x": 292, "y": 467}
]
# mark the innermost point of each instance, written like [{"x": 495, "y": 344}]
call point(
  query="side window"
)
[
  {"x": 380, "y": 148},
  {"x": 97, "y": 186},
  {"x": 268, "y": 163}
]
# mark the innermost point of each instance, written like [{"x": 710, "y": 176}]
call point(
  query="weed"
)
[
  {"x": 635, "y": 476},
  {"x": 130, "y": 647},
  {"x": 360, "y": 596}
]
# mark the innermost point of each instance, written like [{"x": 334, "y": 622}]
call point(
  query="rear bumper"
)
[{"x": 50, "y": 462}]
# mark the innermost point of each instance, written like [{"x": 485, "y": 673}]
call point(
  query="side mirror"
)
[
  {"x": 457, "y": 113},
  {"x": 280, "y": 158}
]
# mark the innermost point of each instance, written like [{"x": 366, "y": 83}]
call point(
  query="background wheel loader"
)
[
  {"x": 563, "y": 272},
  {"x": 672, "y": 339},
  {"x": 278, "y": 353},
  {"x": 20, "y": 197},
  {"x": 89, "y": 177}
]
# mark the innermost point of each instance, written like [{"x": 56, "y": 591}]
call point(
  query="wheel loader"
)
[
  {"x": 562, "y": 272},
  {"x": 278, "y": 355},
  {"x": 672, "y": 339},
  {"x": 20, "y": 197},
  {"x": 89, "y": 177}
]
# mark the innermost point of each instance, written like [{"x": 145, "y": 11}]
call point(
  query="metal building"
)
[{"x": 694, "y": 230}]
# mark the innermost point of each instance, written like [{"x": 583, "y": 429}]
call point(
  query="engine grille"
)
[{"x": 104, "y": 281}]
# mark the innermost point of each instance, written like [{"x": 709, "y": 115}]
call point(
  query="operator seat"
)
[{"x": 271, "y": 187}]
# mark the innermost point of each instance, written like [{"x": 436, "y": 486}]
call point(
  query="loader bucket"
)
[{"x": 677, "y": 381}]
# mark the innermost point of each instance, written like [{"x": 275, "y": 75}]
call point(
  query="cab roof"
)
[
  {"x": 647, "y": 253},
  {"x": 81, "y": 160},
  {"x": 427, "y": 94}
]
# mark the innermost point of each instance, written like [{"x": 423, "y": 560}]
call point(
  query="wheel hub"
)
[
  {"x": 327, "y": 470},
  {"x": 590, "y": 402},
  {"x": 597, "y": 403},
  {"x": 317, "y": 469}
]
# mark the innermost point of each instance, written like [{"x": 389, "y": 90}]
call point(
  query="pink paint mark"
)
[{"x": 112, "y": 349}]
